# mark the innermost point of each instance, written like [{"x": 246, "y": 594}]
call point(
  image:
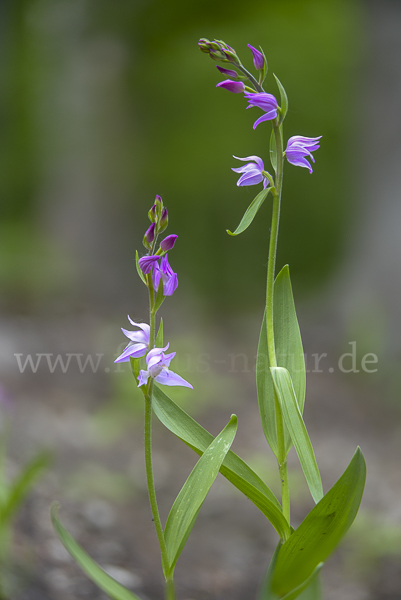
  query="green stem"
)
[
  {"x": 271, "y": 267},
  {"x": 170, "y": 590},
  {"x": 151, "y": 483}
]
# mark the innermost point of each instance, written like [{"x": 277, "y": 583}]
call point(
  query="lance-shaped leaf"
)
[
  {"x": 289, "y": 354},
  {"x": 159, "y": 337},
  {"x": 106, "y": 583},
  {"x": 233, "y": 468},
  {"x": 284, "y": 99},
  {"x": 296, "y": 427},
  {"x": 308, "y": 590},
  {"x": 251, "y": 211},
  {"x": 321, "y": 530},
  {"x": 187, "y": 505},
  {"x": 21, "y": 486},
  {"x": 138, "y": 268}
]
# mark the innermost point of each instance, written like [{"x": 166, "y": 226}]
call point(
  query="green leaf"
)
[
  {"x": 273, "y": 151},
  {"x": 135, "y": 366},
  {"x": 138, "y": 268},
  {"x": 106, "y": 583},
  {"x": 159, "y": 337},
  {"x": 187, "y": 505},
  {"x": 251, "y": 211},
  {"x": 308, "y": 590},
  {"x": 284, "y": 99},
  {"x": 296, "y": 427},
  {"x": 288, "y": 342},
  {"x": 313, "y": 591},
  {"x": 160, "y": 297},
  {"x": 233, "y": 468},
  {"x": 289, "y": 354},
  {"x": 265, "y": 592},
  {"x": 22, "y": 485},
  {"x": 322, "y": 529}
]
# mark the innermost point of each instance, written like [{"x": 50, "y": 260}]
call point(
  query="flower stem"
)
[
  {"x": 271, "y": 267},
  {"x": 152, "y": 492}
]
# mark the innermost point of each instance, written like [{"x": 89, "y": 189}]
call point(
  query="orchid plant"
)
[{"x": 280, "y": 374}]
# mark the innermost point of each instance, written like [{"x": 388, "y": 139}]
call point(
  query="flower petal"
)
[
  {"x": 167, "y": 377},
  {"x": 266, "y": 117},
  {"x": 143, "y": 378},
  {"x": 250, "y": 178},
  {"x": 256, "y": 159},
  {"x": 146, "y": 263},
  {"x": 132, "y": 351},
  {"x": 299, "y": 161}
]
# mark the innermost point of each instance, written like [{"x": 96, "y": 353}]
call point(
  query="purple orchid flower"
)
[
  {"x": 258, "y": 58},
  {"x": 232, "y": 86},
  {"x": 146, "y": 263},
  {"x": 158, "y": 368},
  {"x": 298, "y": 147},
  {"x": 252, "y": 173},
  {"x": 139, "y": 342},
  {"x": 168, "y": 242},
  {"x": 266, "y": 102},
  {"x": 167, "y": 275}
]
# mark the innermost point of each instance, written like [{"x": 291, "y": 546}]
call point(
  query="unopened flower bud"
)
[
  {"x": 149, "y": 236},
  {"x": 258, "y": 58},
  {"x": 232, "y": 86},
  {"x": 159, "y": 205},
  {"x": 218, "y": 50},
  {"x": 168, "y": 242},
  {"x": 227, "y": 72},
  {"x": 204, "y": 45},
  {"x": 152, "y": 214},
  {"x": 163, "y": 222}
]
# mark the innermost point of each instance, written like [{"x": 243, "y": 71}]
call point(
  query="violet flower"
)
[
  {"x": 166, "y": 274},
  {"x": 139, "y": 342},
  {"x": 298, "y": 147},
  {"x": 252, "y": 172},
  {"x": 158, "y": 364},
  {"x": 266, "y": 102},
  {"x": 146, "y": 263},
  {"x": 168, "y": 242},
  {"x": 232, "y": 86},
  {"x": 258, "y": 58}
]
